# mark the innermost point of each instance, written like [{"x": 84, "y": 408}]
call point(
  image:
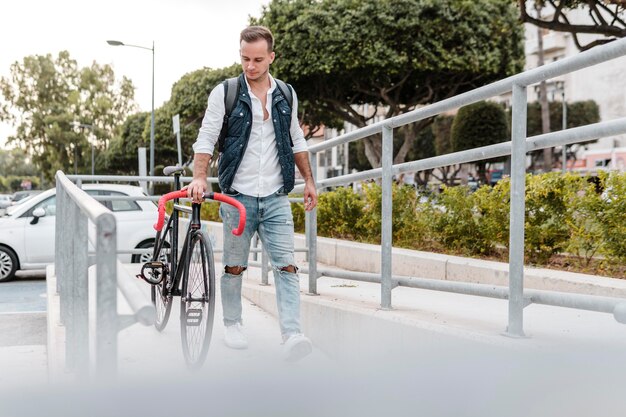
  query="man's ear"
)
[{"x": 272, "y": 56}]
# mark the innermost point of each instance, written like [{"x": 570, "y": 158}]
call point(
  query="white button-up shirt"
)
[{"x": 259, "y": 173}]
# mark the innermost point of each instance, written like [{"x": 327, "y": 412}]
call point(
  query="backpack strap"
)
[
  {"x": 286, "y": 90},
  {"x": 231, "y": 91}
]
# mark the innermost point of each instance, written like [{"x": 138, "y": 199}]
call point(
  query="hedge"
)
[{"x": 581, "y": 217}]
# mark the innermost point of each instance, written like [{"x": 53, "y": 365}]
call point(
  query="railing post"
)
[
  {"x": 516, "y": 236},
  {"x": 386, "y": 225},
  {"x": 106, "y": 297},
  {"x": 264, "y": 266},
  {"x": 80, "y": 294},
  {"x": 311, "y": 233},
  {"x": 69, "y": 283}
]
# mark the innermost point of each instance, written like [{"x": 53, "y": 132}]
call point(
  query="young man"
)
[{"x": 256, "y": 167}]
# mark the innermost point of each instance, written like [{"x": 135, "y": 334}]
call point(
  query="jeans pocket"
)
[{"x": 281, "y": 192}]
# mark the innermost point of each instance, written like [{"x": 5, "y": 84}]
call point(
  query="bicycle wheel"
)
[
  {"x": 161, "y": 298},
  {"x": 197, "y": 304}
]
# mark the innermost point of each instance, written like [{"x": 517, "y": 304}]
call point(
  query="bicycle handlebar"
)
[{"x": 158, "y": 226}]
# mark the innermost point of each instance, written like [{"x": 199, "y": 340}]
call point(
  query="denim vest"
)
[{"x": 239, "y": 128}]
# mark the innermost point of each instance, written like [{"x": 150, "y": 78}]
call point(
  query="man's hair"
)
[{"x": 257, "y": 33}]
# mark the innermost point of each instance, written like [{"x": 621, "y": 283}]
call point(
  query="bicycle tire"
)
[
  {"x": 197, "y": 304},
  {"x": 161, "y": 300}
]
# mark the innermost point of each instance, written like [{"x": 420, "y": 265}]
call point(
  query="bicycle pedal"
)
[{"x": 193, "y": 317}]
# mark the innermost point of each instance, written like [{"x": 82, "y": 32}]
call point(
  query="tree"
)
[
  {"x": 442, "y": 128},
  {"x": 46, "y": 97},
  {"x": 606, "y": 18},
  {"x": 395, "y": 55},
  {"x": 579, "y": 113},
  {"x": 16, "y": 162},
  {"x": 479, "y": 124},
  {"x": 121, "y": 155}
]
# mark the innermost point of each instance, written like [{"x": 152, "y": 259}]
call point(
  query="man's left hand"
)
[{"x": 310, "y": 195}]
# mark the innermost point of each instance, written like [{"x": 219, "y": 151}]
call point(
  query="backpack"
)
[{"x": 231, "y": 92}]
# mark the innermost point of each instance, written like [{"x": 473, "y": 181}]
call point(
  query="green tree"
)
[
  {"x": 46, "y": 98},
  {"x": 479, "y": 124},
  {"x": 395, "y": 55},
  {"x": 579, "y": 113},
  {"x": 16, "y": 162},
  {"x": 442, "y": 127},
  {"x": 121, "y": 155}
]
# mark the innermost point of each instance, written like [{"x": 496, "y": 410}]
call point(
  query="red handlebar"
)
[{"x": 214, "y": 196}]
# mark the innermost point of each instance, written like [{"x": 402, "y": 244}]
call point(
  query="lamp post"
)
[{"x": 118, "y": 43}]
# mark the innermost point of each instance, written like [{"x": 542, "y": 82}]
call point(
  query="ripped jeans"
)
[{"x": 271, "y": 217}]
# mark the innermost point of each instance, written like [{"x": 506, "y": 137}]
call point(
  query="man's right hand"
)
[{"x": 196, "y": 189}]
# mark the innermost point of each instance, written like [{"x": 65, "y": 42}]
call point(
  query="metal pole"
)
[
  {"x": 564, "y": 123},
  {"x": 152, "y": 126},
  {"x": 386, "y": 226},
  {"x": 80, "y": 293},
  {"x": 264, "y": 266},
  {"x": 71, "y": 345},
  {"x": 106, "y": 297},
  {"x": 93, "y": 171},
  {"x": 311, "y": 233},
  {"x": 518, "y": 186}
]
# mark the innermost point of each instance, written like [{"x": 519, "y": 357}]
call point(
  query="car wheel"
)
[
  {"x": 145, "y": 257},
  {"x": 8, "y": 264}
]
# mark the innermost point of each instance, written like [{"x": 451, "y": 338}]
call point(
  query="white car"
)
[{"x": 27, "y": 231}]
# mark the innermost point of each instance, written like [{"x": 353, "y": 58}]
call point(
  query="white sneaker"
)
[
  {"x": 296, "y": 347},
  {"x": 235, "y": 338}
]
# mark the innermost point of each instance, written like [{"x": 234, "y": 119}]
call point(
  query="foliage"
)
[
  {"x": 564, "y": 213},
  {"x": 394, "y": 55},
  {"x": 338, "y": 213},
  {"x": 16, "y": 162},
  {"x": 46, "y": 97},
  {"x": 546, "y": 231},
  {"x": 579, "y": 113},
  {"x": 121, "y": 155},
  {"x": 477, "y": 125},
  {"x": 612, "y": 217}
]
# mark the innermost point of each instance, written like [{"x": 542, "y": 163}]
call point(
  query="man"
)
[{"x": 256, "y": 167}]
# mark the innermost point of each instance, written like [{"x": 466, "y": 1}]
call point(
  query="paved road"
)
[{"x": 23, "y": 330}]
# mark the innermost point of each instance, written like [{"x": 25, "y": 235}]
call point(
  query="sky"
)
[{"x": 188, "y": 35}]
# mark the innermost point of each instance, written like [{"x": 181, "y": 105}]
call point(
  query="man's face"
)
[{"x": 255, "y": 59}]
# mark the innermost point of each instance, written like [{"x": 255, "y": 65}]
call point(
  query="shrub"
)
[
  {"x": 546, "y": 231},
  {"x": 612, "y": 216},
  {"x": 339, "y": 212}
]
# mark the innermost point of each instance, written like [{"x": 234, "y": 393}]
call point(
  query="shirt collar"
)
[{"x": 272, "y": 83}]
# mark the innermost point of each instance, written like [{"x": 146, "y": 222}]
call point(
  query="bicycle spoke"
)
[{"x": 197, "y": 305}]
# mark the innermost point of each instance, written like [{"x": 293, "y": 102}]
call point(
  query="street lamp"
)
[{"x": 118, "y": 43}]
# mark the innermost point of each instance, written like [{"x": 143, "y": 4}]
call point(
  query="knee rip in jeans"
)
[
  {"x": 290, "y": 268},
  {"x": 234, "y": 270}
]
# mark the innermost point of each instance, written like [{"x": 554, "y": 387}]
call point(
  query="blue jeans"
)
[{"x": 271, "y": 217}]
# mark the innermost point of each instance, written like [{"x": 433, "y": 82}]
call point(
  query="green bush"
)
[
  {"x": 338, "y": 213},
  {"x": 546, "y": 230},
  {"x": 612, "y": 216}
]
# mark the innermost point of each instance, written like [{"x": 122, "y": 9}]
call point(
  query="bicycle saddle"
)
[{"x": 173, "y": 170}]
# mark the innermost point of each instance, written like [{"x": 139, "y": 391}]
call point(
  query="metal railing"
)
[
  {"x": 517, "y": 148},
  {"x": 75, "y": 209}
]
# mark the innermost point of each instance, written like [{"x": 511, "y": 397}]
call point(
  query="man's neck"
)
[{"x": 260, "y": 83}]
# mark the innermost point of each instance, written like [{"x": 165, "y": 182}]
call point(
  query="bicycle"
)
[{"x": 190, "y": 276}]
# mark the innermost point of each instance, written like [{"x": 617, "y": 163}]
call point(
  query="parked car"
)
[
  {"x": 27, "y": 230},
  {"x": 21, "y": 196},
  {"x": 5, "y": 201}
]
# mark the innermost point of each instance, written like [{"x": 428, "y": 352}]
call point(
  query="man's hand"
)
[
  {"x": 310, "y": 194},
  {"x": 196, "y": 189},
  {"x": 198, "y": 186}
]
